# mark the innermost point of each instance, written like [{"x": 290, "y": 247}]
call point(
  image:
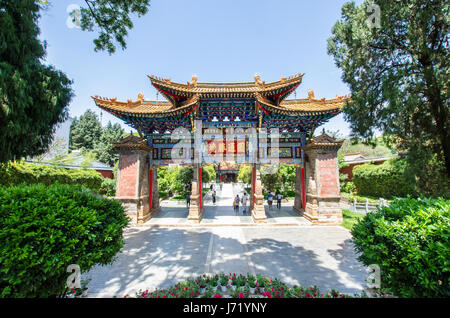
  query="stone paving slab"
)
[
  {"x": 175, "y": 213},
  {"x": 160, "y": 257},
  {"x": 168, "y": 248}
]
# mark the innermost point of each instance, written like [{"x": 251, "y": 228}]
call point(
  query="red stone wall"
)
[
  {"x": 328, "y": 174},
  {"x": 349, "y": 170},
  {"x": 106, "y": 174},
  {"x": 128, "y": 176}
]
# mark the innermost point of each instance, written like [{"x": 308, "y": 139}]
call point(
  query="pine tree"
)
[
  {"x": 33, "y": 96},
  {"x": 398, "y": 74},
  {"x": 85, "y": 134},
  {"x": 104, "y": 148}
]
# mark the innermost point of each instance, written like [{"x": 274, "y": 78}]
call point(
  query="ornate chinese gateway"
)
[{"x": 203, "y": 123}]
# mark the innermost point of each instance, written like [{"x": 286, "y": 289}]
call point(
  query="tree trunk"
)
[{"x": 439, "y": 111}]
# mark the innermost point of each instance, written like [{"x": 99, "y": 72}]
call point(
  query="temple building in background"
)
[{"x": 227, "y": 112}]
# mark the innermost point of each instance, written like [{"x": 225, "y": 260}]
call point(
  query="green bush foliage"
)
[
  {"x": 410, "y": 241},
  {"x": 22, "y": 172},
  {"x": 45, "y": 229},
  {"x": 386, "y": 180},
  {"x": 108, "y": 187},
  {"x": 348, "y": 187}
]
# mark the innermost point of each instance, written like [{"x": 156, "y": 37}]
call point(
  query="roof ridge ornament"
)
[
  {"x": 257, "y": 79},
  {"x": 311, "y": 94},
  {"x": 140, "y": 97}
]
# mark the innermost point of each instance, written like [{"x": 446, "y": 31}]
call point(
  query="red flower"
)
[
  {"x": 217, "y": 296},
  {"x": 267, "y": 294},
  {"x": 241, "y": 295}
]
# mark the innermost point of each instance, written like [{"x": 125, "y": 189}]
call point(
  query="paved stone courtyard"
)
[{"x": 168, "y": 249}]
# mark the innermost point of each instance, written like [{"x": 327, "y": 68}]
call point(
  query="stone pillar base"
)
[
  {"x": 258, "y": 212},
  {"x": 148, "y": 215},
  {"x": 195, "y": 214},
  {"x": 258, "y": 216},
  {"x": 323, "y": 210},
  {"x": 195, "y": 210}
]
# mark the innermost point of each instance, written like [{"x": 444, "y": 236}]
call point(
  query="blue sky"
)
[{"x": 220, "y": 41}]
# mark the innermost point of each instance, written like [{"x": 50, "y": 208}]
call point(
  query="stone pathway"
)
[
  {"x": 297, "y": 254},
  {"x": 174, "y": 213}
]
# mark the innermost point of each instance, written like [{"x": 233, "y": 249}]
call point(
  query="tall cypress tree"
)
[
  {"x": 104, "y": 148},
  {"x": 33, "y": 96},
  {"x": 85, "y": 134}
]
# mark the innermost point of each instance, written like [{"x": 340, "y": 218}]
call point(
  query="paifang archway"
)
[{"x": 251, "y": 122}]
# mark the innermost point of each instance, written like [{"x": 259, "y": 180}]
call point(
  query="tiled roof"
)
[
  {"x": 307, "y": 105},
  {"x": 141, "y": 106},
  {"x": 247, "y": 88}
]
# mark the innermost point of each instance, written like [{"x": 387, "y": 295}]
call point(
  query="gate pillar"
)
[
  {"x": 300, "y": 194},
  {"x": 132, "y": 187},
  {"x": 257, "y": 198},
  {"x": 196, "y": 205},
  {"x": 322, "y": 181}
]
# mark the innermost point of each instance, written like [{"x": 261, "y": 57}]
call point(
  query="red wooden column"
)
[
  {"x": 303, "y": 188},
  {"x": 200, "y": 186},
  {"x": 150, "y": 188},
  {"x": 253, "y": 186}
]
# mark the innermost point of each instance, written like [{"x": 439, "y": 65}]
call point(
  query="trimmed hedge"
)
[
  {"x": 386, "y": 180},
  {"x": 45, "y": 229},
  {"x": 21, "y": 172},
  {"x": 410, "y": 241}
]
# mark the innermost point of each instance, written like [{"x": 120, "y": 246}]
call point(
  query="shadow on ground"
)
[{"x": 160, "y": 257}]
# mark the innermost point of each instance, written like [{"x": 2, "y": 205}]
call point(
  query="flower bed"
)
[{"x": 238, "y": 286}]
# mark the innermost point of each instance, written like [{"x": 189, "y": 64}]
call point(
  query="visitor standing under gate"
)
[
  {"x": 236, "y": 204},
  {"x": 270, "y": 200},
  {"x": 244, "y": 203},
  {"x": 278, "y": 196}
]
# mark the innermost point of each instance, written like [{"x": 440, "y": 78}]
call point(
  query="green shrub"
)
[
  {"x": 22, "y": 172},
  {"x": 45, "y": 229},
  {"x": 386, "y": 180},
  {"x": 410, "y": 242},
  {"x": 348, "y": 187},
  {"x": 108, "y": 187}
]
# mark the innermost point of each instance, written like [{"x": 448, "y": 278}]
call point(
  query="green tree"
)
[
  {"x": 270, "y": 177},
  {"x": 397, "y": 73},
  {"x": 245, "y": 174},
  {"x": 111, "y": 19},
  {"x": 208, "y": 174},
  {"x": 86, "y": 133},
  {"x": 377, "y": 149},
  {"x": 287, "y": 176},
  {"x": 104, "y": 148},
  {"x": 33, "y": 96}
]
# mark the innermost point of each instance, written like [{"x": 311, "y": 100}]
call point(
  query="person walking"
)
[
  {"x": 278, "y": 196},
  {"x": 188, "y": 200},
  {"x": 214, "y": 196},
  {"x": 270, "y": 199},
  {"x": 244, "y": 203},
  {"x": 236, "y": 204}
]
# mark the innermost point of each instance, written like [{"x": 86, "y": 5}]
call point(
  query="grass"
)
[
  {"x": 182, "y": 197},
  {"x": 178, "y": 197},
  {"x": 361, "y": 198},
  {"x": 350, "y": 219}
]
